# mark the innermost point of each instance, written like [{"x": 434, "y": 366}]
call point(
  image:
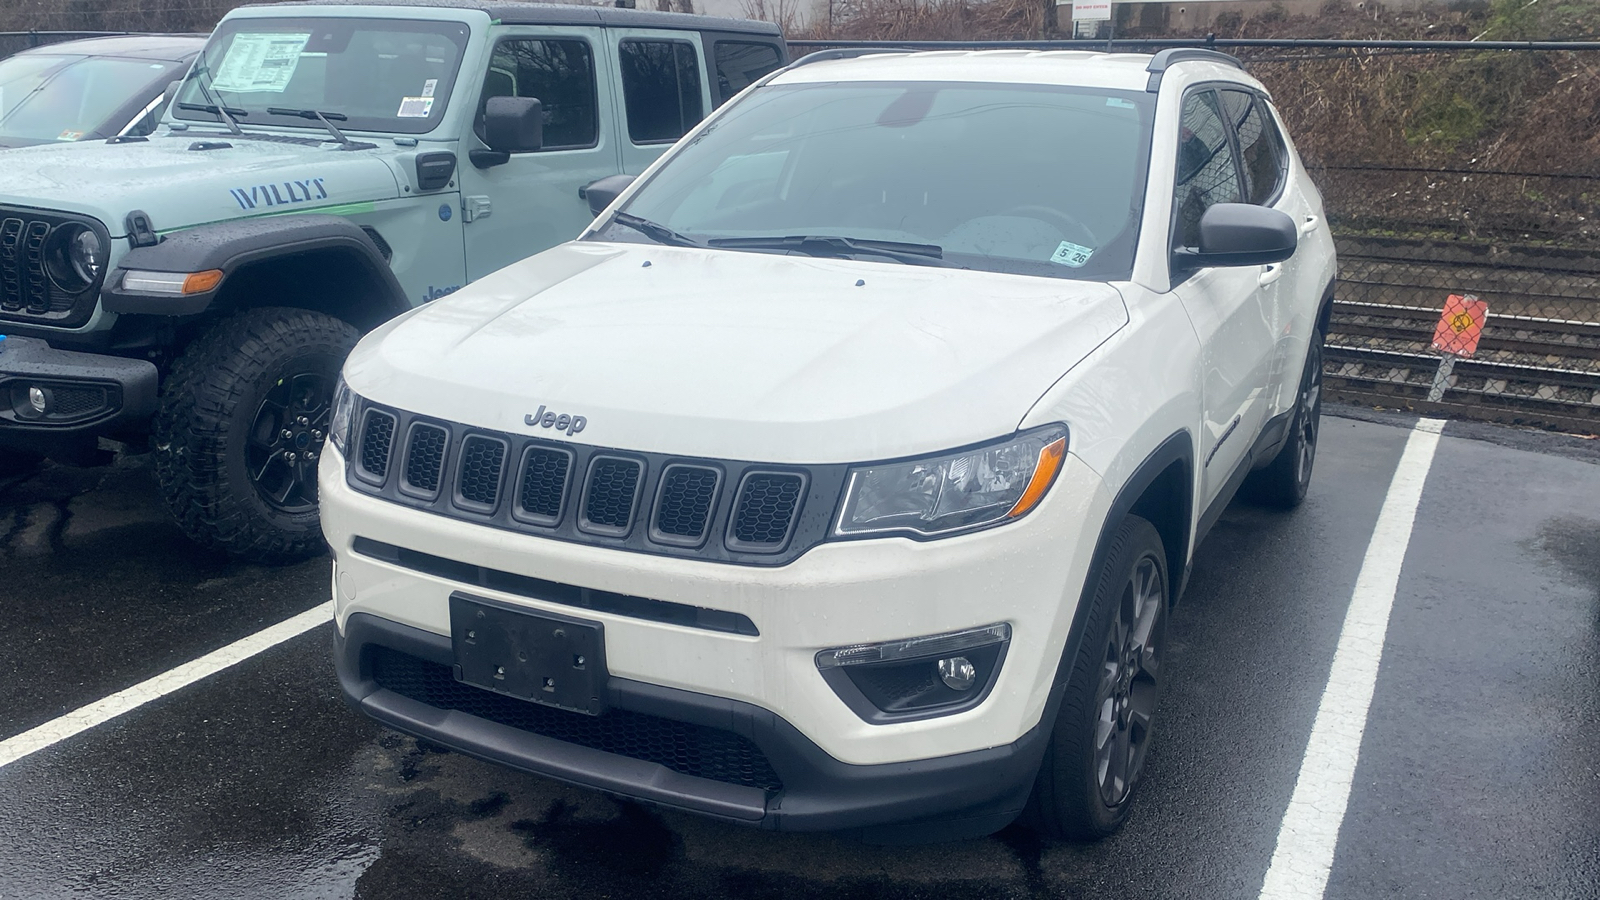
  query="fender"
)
[
  {"x": 231, "y": 246},
  {"x": 1179, "y": 448}
]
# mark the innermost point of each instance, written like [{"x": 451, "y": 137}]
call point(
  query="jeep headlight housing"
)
[
  {"x": 75, "y": 255},
  {"x": 344, "y": 407},
  {"x": 955, "y": 492}
]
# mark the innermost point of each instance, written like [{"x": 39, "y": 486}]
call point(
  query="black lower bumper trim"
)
[
  {"x": 956, "y": 796},
  {"x": 87, "y": 394}
]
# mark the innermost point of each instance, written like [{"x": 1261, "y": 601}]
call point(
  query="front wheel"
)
[
  {"x": 242, "y": 422},
  {"x": 1096, "y": 755}
]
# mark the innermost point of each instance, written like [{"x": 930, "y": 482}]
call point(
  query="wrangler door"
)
[{"x": 530, "y": 203}]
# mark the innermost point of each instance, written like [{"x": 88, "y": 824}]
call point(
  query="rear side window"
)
[
  {"x": 740, "y": 63},
  {"x": 1262, "y": 153},
  {"x": 1206, "y": 171},
  {"x": 560, "y": 73},
  {"x": 661, "y": 89}
]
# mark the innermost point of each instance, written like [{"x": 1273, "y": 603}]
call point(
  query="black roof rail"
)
[
  {"x": 846, "y": 53},
  {"x": 1166, "y": 58}
]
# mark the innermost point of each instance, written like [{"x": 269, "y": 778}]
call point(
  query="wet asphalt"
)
[{"x": 1479, "y": 773}]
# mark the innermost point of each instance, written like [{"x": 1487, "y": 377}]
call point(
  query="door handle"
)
[
  {"x": 1310, "y": 224},
  {"x": 1269, "y": 274}
]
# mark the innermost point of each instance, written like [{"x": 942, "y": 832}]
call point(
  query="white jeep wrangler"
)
[{"x": 842, "y": 474}]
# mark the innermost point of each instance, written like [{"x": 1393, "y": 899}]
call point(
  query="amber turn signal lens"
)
[
  {"x": 200, "y": 282},
  {"x": 1044, "y": 475}
]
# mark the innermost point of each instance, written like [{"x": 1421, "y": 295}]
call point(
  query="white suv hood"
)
[{"x": 739, "y": 355}]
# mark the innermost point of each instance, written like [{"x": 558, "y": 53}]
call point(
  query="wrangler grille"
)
[{"x": 27, "y": 292}]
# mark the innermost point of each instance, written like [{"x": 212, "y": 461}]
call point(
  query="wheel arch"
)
[{"x": 321, "y": 263}]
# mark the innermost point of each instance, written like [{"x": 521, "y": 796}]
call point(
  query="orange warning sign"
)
[{"x": 1460, "y": 325}]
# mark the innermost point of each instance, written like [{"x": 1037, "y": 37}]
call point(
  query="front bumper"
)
[
  {"x": 946, "y": 798},
  {"x": 89, "y": 395}
]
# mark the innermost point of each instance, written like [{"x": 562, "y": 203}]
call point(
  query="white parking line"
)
[
  {"x": 101, "y": 711},
  {"x": 1310, "y": 829}
]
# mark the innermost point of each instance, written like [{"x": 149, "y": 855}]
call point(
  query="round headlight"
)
[{"x": 75, "y": 256}]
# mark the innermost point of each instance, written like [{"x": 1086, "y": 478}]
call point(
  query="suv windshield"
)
[
  {"x": 65, "y": 98},
  {"x": 391, "y": 75},
  {"x": 1034, "y": 180}
]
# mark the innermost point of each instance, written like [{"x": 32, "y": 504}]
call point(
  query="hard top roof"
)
[
  {"x": 513, "y": 13},
  {"x": 169, "y": 47}
]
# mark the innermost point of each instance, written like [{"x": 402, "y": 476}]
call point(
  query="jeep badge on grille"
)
[{"x": 570, "y": 424}]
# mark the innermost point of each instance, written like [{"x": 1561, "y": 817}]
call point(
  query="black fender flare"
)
[
  {"x": 231, "y": 246},
  {"x": 1177, "y": 448}
]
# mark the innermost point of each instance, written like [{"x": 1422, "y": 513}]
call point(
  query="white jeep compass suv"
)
[{"x": 843, "y": 473}]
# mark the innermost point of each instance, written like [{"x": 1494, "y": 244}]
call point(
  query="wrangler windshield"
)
[
  {"x": 390, "y": 75},
  {"x": 1034, "y": 180}
]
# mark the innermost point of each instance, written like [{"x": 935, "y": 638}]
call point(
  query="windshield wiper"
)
[
  {"x": 224, "y": 114},
  {"x": 325, "y": 118},
  {"x": 840, "y": 247},
  {"x": 659, "y": 233}
]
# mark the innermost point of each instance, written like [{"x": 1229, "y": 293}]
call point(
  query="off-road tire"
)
[
  {"x": 1067, "y": 800},
  {"x": 208, "y": 405},
  {"x": 1282, "y": 483}
]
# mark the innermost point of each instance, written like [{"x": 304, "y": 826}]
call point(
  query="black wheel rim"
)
[
  {"x": 1310, "y": 418},
  {"x": 1127, "y": 694},
  {"x": 286, "y": 440}
]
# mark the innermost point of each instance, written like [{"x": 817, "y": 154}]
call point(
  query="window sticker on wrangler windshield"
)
[{"x": 260, "y": 62}]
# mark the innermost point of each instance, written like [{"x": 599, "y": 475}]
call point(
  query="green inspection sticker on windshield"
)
[
  {"x": 1070, "y": 254},
  {"x": 260, "y": 62}
]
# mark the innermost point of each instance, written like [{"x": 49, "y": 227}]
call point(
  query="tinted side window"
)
[
  {"x": 739, "y": 63},
  {"x": 661, "y": 89},
  {"x": 560, "y": 73},
  {"x": 1261, "y": 147},
  {"x": 1206, "y": 171}
]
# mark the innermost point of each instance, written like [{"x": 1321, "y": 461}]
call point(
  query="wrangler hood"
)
[
  {"x": 179, "y": 187},
  {"x": 739, "y": 355}
]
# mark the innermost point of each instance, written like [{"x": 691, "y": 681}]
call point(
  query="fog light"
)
[
  {"x": 39, "y": 399},
  {"x": 957, "y": 673}
]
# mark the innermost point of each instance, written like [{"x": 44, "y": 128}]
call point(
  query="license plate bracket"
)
[{"x": 546, "y": 658}]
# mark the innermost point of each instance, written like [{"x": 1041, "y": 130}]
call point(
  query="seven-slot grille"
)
[
  {"x": 638, "y": 501},
  {"x": 27, "y": 292}
]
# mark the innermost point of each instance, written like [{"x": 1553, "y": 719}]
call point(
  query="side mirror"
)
[
  {"x": 1239, "y": 234},
  {"x": 602, "y": 193},
  {"x": 510, "y": 125}
]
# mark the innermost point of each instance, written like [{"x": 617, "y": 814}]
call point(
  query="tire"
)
[
  {"x": 1283, "y": 483},
  {"x": 1104, "y": 724},
  {"x": 247, "y": 397}
]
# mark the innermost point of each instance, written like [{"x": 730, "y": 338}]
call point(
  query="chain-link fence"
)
[
  {"x": 1449, "y": 169},
  {"x": 16, "y": 41}
]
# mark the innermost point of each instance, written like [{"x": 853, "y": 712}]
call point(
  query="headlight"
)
[
  {"x": 956, "y": 492},
  {"x": 344, "y": 407},
  {"x": 75, "y": 256}
]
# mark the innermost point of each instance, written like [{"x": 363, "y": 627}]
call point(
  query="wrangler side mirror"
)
[{"x": 510, "y": 125}]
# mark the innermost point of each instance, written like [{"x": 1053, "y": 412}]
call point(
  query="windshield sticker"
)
[
  {"x": 429, "y": 86},
  {"x": 260, "y": 62},
  {"x": 1120, "y": 103},
  {"x": 69, "y": 135},
  {"x": 415, "y": 107},
  {"x": 1070, "y": 254}
]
